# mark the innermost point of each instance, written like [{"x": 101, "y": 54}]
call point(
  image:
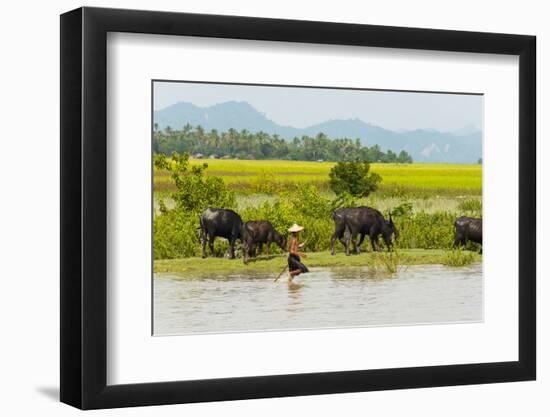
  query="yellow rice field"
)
[{"x": 248, "y": 175}]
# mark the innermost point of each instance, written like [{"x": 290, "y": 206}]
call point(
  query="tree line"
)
[{"x": 247, "y": 145}]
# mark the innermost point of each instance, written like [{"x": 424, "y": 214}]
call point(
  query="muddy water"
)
[{"x": 420, "y": 294}]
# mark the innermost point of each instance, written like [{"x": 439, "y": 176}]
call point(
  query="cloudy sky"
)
[{"x": 303, "y": 107}]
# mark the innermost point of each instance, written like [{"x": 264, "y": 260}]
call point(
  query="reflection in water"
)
[
  {"x": 322, "y": 298},
  {"x": 294, "y": 296}
]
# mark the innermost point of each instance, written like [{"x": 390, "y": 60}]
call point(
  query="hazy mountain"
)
[
  {"x": 465, "y": 131},
  {"x": 424, "y": 145}
]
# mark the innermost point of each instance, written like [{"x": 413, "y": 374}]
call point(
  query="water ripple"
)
[{"x": 420, "y": 294}]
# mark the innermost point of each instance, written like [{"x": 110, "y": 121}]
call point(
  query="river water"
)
[{"x": 347, "y": 297}]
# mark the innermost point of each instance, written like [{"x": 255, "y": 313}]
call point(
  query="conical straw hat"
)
[{"x": 295, "y": 228}]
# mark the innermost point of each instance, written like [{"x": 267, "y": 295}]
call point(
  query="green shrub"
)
[
  {"x": 426, "y": 231},
  {"x": 305, "y": 206},
  {"x": 403, "y": 209},
  {"x": 175, "y": 231},
  {"x": 345, "y": 200},
  {"x": 194, "y": 190},
  {"x": 175, "y": 235},
  {"x": 353, "y": 178}
]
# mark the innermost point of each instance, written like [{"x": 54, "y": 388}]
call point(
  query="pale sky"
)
[{"x": 302, "y": 107}]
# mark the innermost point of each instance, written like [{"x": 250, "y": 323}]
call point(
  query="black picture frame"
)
[{"x": 84, "y": 207}]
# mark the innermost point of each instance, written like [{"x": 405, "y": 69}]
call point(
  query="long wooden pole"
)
[{"x": 282, "y": 272}]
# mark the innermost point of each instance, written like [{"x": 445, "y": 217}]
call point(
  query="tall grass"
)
[
  {"x": 471, "y": 205},
  {"x": 458, "y": 257},
  {"x": 426, "y": 231},
  {"x": 390, "y": 262}
]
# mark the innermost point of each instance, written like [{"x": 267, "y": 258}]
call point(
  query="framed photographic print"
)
[{"x": 257, "y": 207}]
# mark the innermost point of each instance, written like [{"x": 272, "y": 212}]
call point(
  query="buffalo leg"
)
[
  {"x": 374, "y": 241},
  {"x": 341, "y": 233},
  {"x": 456, "y": 242},
  {"x": 332, "y": 240},
  {"x": 344, "y": 243},
  {"x": 459, "y": 240},
  {"x": 203, "y": 241},
  {"x": 361, "y": 240},
  {"x": 211, "y": 244},
  {"x": 354, "y": 242},
  {"x": 347, "y": 237},
  {"x": 252, "y": 251},
  {"x": 232, "y": 248},
  {"x": 246, "y": 251}
]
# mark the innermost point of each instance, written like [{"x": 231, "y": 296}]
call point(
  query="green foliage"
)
[
  {"x": 345, "y": 200},
  {"x": 353, "y": 178},
  {"x": 458, "y": 257},
  {"x": 260, "y": 145},
  {"x": 308, "y": 202},
  {"x": 175, "y": 235},
  {"x": 404, "y": 158},
  {"x": 175, "y": 231},
  {"x": 426, "y": 231},
  {"x": 305, "y": 206},
  {"x": 403, "y": 209},
  {"x": 194, "y": 190}
]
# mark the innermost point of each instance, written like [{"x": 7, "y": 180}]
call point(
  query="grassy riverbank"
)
[{"x": 198, "y": 267}]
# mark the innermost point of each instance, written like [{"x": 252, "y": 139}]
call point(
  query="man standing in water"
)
[{"x": 295, "y": 266}]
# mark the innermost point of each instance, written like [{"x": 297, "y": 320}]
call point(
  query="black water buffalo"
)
[
  {"x": 352, "y": 221},
  {"x": 256, "y": 233},
  {"x": 468, "y": 229},
  {"x": 224, "y": 223}
]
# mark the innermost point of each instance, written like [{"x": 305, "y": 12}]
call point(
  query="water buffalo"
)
[
  {"x": 256, "y": 233},
  {"x": 224, "y": 223},
  {"x": 352, "y": 221},
  {"x": 468, "y": 228}
]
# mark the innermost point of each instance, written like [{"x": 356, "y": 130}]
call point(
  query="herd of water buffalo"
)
[{"x": 349, "y": 222}]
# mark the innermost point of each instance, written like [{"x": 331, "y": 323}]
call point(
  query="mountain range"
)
[{"x": 424, "y": 145}]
